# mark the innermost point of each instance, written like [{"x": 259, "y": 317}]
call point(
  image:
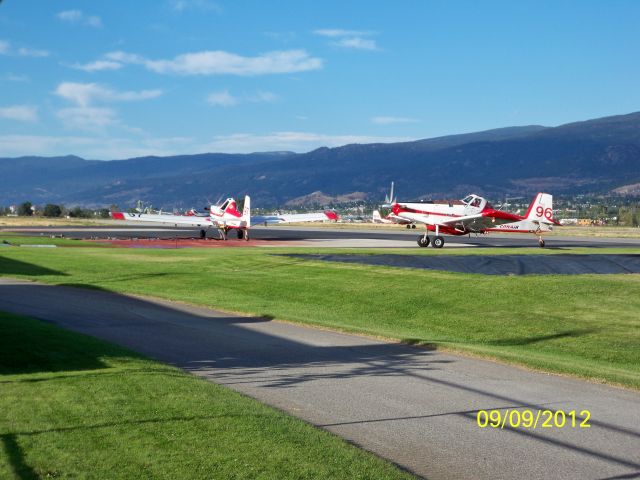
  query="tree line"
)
[{"x": 52, "y": 210}]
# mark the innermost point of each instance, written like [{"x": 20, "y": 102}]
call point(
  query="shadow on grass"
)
[
  {"x": 9, "y": 266},
  {"x": 15, "y": 455},
  {"x": 520, "y": 341},
  {"x": 30, "y": 346}
]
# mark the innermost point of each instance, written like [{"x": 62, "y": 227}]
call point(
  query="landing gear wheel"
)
[
  {"x": 438, "y": 242},
  {"x": 413, "y": 225},
  {"x": 408, "y": 225},
  {"x": 240, "y": 234},
  {"x": 541, "y": 243},
  {"x": 423, "y": 241},
  {"x": 203, "y": 234}
]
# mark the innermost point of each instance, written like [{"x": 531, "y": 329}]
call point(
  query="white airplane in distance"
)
[
  {"x": 225, "y": 218},
  {"x": 391, "y": 219},
  {"x": 474, "y": 214}
]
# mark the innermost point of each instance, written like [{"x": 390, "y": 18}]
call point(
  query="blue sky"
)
[{"x": 117, "y": 79}]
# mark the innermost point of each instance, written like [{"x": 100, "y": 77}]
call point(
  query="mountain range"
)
[{"x": 596, "y": 156}]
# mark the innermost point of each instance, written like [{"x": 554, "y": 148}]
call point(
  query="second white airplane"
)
[{"x": 225, "y": 218}]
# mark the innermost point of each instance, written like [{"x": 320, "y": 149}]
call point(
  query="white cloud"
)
[
  {"x": 84, "y": 94},
  {"x": 7, "y": 49},
  {"x": 290, "y": 141},
  {"x": 225, "y": 99},
  {"x": 200, "y": 5},
  {"x": 93, "y": 147},
  {"x": 94, "y": 21},
  {"x": 90, "y": 119},
  {"x": 12, "y": 77},
  {"x": 124, "y": 57},
  {"x": 222, "y": 99},
  {"x": 218, "y": 62},
  {"x": 391, "y": 120},
  {"x": 266, "y": 97},
  {"x": 357, "y": 43},
  {"x": 337, "y": 32},
  {"x": 78, "y": 17},
  {"x": 98, "y": 66},
  {"x": 32, "y": 52},
  {"x": 113, "y": 147},
  {"x": 20, "y": 113},
  {"x": 70, "y": 15},
  {"x": 85, "y": 115},
  {"x": 354, "y": 39}
]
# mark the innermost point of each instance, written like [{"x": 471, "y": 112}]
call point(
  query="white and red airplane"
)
[
  {"x": 473, "y": 214},
  {"x": 225, "y": 218}
]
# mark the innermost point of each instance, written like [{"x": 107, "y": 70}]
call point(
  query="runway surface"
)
[
  {"x": 327, "y": 237},
  {"x": 561, "y": 264},
  {"x": 412, "y": 406}
]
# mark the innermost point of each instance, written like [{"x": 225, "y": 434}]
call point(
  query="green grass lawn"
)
[
  {"x": 585, "y": 325},
  {"x": 72, "y": 406}
]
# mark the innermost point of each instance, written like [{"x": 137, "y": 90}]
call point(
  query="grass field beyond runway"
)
[
  {"x": 586, "y": 325},
  {"x": 75, "y": 407}
]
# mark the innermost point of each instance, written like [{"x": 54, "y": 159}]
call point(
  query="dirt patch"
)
[{"x": 183, "y": 243}]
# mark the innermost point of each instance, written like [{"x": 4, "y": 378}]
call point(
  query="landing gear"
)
[
  {"x": 541, "y": 242},
  {"x": 438, "y": 242},
  {"x": 222, "y": 232},
  {"x": 246, "y": 235},
  {"x": 203, "y": 234},
  {"x": 423, "y": 241},
  {"x": 411, "y": 225},
  {"x": 408, "y": 225}
]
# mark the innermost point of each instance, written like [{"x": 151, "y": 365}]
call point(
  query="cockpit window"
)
[
  {"x": 476, "y": 202},
  {"x": 224, "y": 205},
  {"x": 467, "y": 199}
]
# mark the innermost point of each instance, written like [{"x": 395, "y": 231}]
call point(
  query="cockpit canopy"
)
[{"x": 474, "y": 201}]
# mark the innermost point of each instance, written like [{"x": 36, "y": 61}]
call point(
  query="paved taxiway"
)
[
  {"x": 412, "y": 406},
  {"x": 329, "y": 237}
]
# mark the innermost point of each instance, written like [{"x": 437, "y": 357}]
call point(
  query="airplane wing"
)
[
  {"x": 294, "y": 217},
  {"x": 156, "y": 218},
  {"x": 495, "y": 216}
]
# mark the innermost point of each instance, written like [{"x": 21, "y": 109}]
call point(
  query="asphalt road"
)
[
  {"x": 412, "y": 406},
  {"x": 294, "y": 234}
]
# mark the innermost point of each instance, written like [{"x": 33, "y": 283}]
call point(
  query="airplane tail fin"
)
[
  {"x": 376, "y": 216},
  {"x": 246, "y": 211},
  {"x": 541, "y": 209}
]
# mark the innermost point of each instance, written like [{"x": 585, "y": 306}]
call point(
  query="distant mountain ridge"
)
[{"x": 594, "y": 156}]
